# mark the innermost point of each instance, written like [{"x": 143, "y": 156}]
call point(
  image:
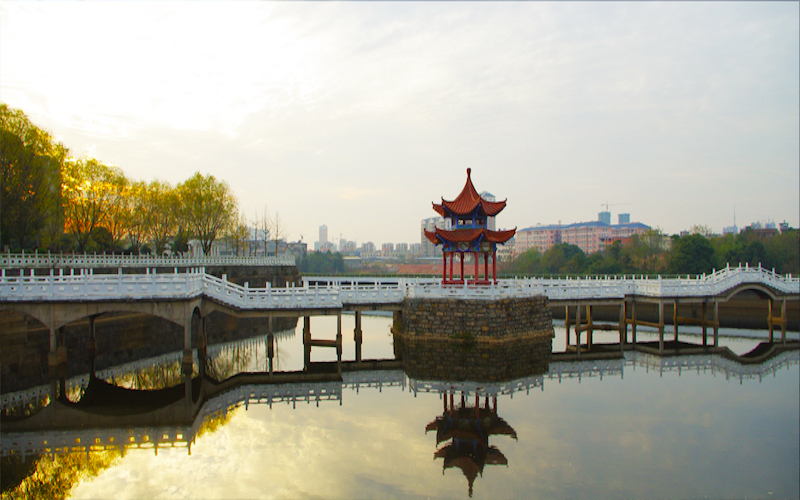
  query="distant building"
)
[
  {"x": 298, "y": 249},
  {"x": 367, "y": 250},
  {"x": 430, "y": 224},
  {"x": 624, "y": 218},
  {"x": 491, "y": 224},
  {"x": 323, "y": 237},
  {"x": 401, "y": 249},
  {"x": 730, "y": 230},
  {"x": 588, "y": 236}
]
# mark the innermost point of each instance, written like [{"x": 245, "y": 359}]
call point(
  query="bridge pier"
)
[
  {"x": 357, "y": 336},
  {"x": 309, "y": 342},
  {"x": 772, "y": 320}
]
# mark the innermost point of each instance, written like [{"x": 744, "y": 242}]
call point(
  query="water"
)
[{"x": 642, "y": 430}]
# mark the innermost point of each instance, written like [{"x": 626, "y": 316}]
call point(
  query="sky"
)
[{"x": 358, "y": 115}]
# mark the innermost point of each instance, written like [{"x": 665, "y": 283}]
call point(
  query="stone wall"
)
[
  {"x": 474, "y": 319},
  {"x": 485, "y": 360},
  {"x": 483, "y": 341}
]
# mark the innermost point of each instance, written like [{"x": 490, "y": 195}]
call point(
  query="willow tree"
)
[
  {"x": 92, "y": 191},
  {"x": 209, "y": 206},
  {"x": 30, "y": 182},
  {"x": 161, "y": 213}
]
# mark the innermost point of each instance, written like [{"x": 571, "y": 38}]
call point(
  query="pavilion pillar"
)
[
  {"x": 462, "y": 267},
  {"x": 475, "y": 255},
  {"x": 660, "y": 316},
  {"x": 494, "y": 265},
  {"x": 444, "y": 266},
  {"x": 486, "y": 266},
  {"x": 451, "y": 266}
]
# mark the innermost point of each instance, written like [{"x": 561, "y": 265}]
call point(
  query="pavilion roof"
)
[
  {"x": 469, "y": 235},
  {"x": 468, "y": 201}
]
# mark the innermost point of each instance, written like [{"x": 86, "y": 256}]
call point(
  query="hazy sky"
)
[{"x": 358, "y": 115}]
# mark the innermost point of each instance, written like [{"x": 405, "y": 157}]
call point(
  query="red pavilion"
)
[{"x": 468, "y": 215}]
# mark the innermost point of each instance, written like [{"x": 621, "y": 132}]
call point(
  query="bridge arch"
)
[{"x": 763, "y": 291}]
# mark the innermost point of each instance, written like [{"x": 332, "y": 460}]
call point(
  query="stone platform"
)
[{"x": 476, "y": 340}]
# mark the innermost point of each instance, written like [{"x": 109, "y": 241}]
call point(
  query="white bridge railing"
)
[
  {"x": 336, "y": 292},
  {"x": 96, "y": 261}
]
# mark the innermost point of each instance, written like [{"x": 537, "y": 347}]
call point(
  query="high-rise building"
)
[
  {"x": 430, "y": 224},
  {"x": 323, "y": 235},
  {"x": 604, "y": 217},
  {"x": 624, "y": 218},
  {"x": 490, "y": 221}
]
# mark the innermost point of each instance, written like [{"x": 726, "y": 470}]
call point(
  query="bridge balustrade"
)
[
  {"x": 333, "y": 292},
  {"x": 87, "y": 261}
]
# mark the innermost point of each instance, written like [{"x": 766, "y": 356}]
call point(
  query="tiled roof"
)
[
  {"x": 469, "y": 235},
  {"x": 467, "y": 201}
]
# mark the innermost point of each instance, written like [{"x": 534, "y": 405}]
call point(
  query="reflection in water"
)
[
  {"x": 93, "y": 437},
  {"x": 51, "y": 476},
  {"x": 465, "y": 430}
]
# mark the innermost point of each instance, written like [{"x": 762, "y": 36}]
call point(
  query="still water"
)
[{"x": 631, "y": 428}]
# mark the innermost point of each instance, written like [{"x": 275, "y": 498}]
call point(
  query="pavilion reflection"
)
[{"x": 465, "y": 430}]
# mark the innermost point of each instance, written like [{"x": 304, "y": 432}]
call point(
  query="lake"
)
[{"x": 640, "y": 427}]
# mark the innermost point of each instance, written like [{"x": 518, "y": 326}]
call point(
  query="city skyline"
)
[{"x": 359, "y": 115}]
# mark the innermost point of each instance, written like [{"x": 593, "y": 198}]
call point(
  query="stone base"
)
[
  {"x": 484, "y": 360},
  {"x": 475, "y": 319},
  {"x": 475, "y": 340}
]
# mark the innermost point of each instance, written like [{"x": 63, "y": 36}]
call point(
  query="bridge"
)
[{"x": 60, "y": 295}]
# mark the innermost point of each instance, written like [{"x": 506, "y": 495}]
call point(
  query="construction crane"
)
[{"x": 607, "y": 204}]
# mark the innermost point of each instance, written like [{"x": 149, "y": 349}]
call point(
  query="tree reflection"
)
[
  {"x": 157, "y": 376},
  {"x": 51, "y": 476}
]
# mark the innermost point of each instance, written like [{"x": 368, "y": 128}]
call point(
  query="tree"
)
[
  {"x": 277, "y": 230},
  {"x": 137, "y": 216},
  {"x": 692, "y": 254},
  {"x": 210, "y": 207},
  {"x": 91, "y": 190},
  {"x": 239, "y": 235},
  {"x": 161, "y": 201},
  {"x": 30, "y": 182}
]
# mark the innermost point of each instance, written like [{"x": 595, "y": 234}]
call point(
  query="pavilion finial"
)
[{"x": 469, "y": 171}]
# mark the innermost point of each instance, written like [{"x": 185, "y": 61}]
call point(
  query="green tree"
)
[
  {"x": 692, "y": 254},
  {"x": 30, "y": 182},
  {"x": 210, "y": 207}
]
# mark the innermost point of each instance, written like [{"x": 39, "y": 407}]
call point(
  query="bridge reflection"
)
[{"x": 94, "y": 414}]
